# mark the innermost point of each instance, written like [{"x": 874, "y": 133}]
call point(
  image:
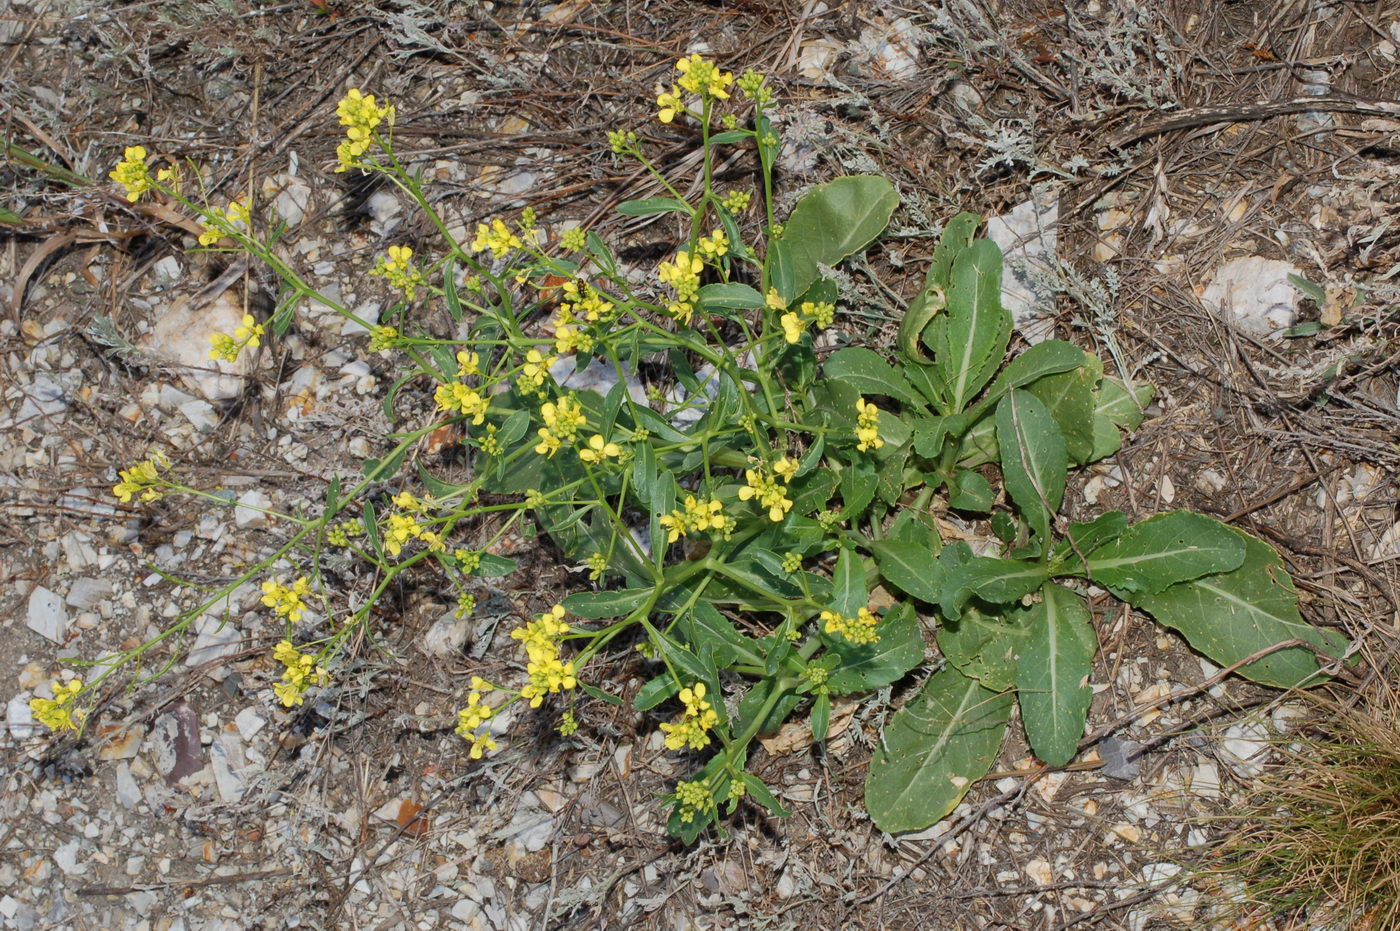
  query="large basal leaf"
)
[
  {"x": 1069, "y": 396},
  {"x": 868, "y": 373},
  {"x": 957, "y": 236},
  {"x": 909, "y": 567},
  {"x": 848, "y": 591},
  {"x": 999, "y": 581},
  {"x": 1164, "y": 550},
  {"x": 730, "y": 296},
  {"x": 1116, "y": 407},
  {"x": 1236, "y": 614},
  {"x": 834, "y": 221},
  {"x": 873, "y": 665},
  {"x": 1084, "y": 538},
  {"x": 1046, "y": 358},
  {"x": 971, "y": 345},
  {"x": 984, "y": 645},
  {"x": 933, "y": 750},
  {"x": 1052, "y": 671},
  {"x": 1033, "y": 459}
]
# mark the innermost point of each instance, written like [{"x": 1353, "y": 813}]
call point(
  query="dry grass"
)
[{"x": 1319, "y": 837}]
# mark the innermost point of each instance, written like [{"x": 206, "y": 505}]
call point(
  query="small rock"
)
[
  {"x": 167, "y": 271},
  {"x": 447, "y": 635},
  {"x": 1040, "y": 872},
  {"x": 1120, "y": 758},
  {"x": 1254, "y": 294},
  {"x": 1245, "y": 746},
  {"x": 122, "y": 742},
  {"x": 226, "y": 755},
  {"x": 214, "y": 641},
  {"x": 175, "y": 744},
  {"x": 291, "y": 197},
  {"x": 19, "y": 720},
  {"x": 181, "y": 339},
  {"x": 200, "y": 414},
  {"x": 66, "y": 857},
  {"x": 245, "y": 514},
  {"x": 84, "y": 593},
  {"x": 1028, "y": 240},
  {"x": 1129, "y": 832},
  {"x": 249, "y": 722},
  {"x": 47, "y": 616},
  {"x": 128, "y": 792}
]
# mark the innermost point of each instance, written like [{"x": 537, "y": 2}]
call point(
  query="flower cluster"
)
[
  {"x": 691, "y": 728},
  {"x": 133, "y": 173},
  {"x": 236, "y": 217},
  {"x": 562, "y": 423},
  {"x": 795, "y": 324},
  {"x": 548, "y": 673},
  {"x": 383, "y": 338},
  {"x": 768, "y": 487},
  {"x": 736, "y": 201},
  {"x": 299, "y": 673},
  {"x": 340, "y": 534},
  {"x": 360, "y": 116},
  {"x": 714, "y": 246},
  {"x": 286, "y": 600},
  {"x": 584, "y": 302},
  {"x": 398, "y": 269},
  {"x": 682, "y": 274},
  {"x": 405, "y": 527},
  {"x": 461, "y": 399},
  {"x": 859, "y": 629},
  {"x": 703, "y": 77},
  {"x": 691, "y": 799},
  {"x": 248, "y": 335},
  {"x": 867, "y": 425},
  {"x": 533, "y": 371},
  {"x": 753, "y": 85},
  {"x": 497, "y": 237},
  {"x": 574, "y": 239},
  {"x": 696, "y": 516},
  {"x": 471, "y": 720},
  {"x": 58, "y": 713},
  {"x": 143, "y": 478}
]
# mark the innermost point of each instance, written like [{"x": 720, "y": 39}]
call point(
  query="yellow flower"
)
[
  {"x": 670, "y": 104},
  {"x": 768, "y": 490},
  {"x": 692, "y": 798},
  {"x": 382, "y": 338},
  {"x": 683, "y": 274},
  {"x": 548, "y": 673},
  {"x": 497, "y": 237},
  {"x": 690, "y": 729},
  {"x": 793, "y": 327},
  {"x": 569, "y": 338},
  {"x": 58, "y": 713},
  {"x": 468, "y": 363},
  {"x": 534, "y": 370},
  {"x": 248, "y": 335},
  {"x": 398, "y": 269},
  {"x": 286, "y": 601},
  {"x": 774, "y": 300},
  {"x": 714, "y": 246},
  {"x": 696, "y": 515},
  {"x": 143, "y": 478},
  {"x": 858, "y": 630},
  {"x": 700, "y": 76},
  {"x": 360, "y": 116},
  {"x": 599, "y": 449},
  {"x": 132, "y": 173},
  {"x": 236, "y": 216},
  {"x": 867, "y": 425},
  {"x": 784, "y": 468},
  {"x": 299, "y": 673},
  {"x": 461, "y": 399},
  {"x": 564, "y": 419}
]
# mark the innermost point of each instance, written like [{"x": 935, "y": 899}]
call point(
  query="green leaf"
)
[
  {"x": 1033, "y": 460},
  {"x": 812, "y": 491},
  {"x": 731, "y": 296},
  {"x": 752, "y": 703},
  {"x": 1233, "y": 615},
  {"x": 857, "y": 488},
  {"x": 513, "y": 428},
  {"x": 706, "y": 627},
  {"x": 655, "y": 691},
  {"x": 594, "y": 605},
  {"x": 1045, "y": 358},
  {"x": 1084, "y": 538},
  {"x": 913, "y": 569},
  {"x": 760, "y": 794},
  {"x": 833, "y": 221},
  {"x": 371, "y": 522},
  {"x": 999, "y": 581},
  {"x": 983, "y": 644},
  {"x": 968, "y": 350},
  {"x": 957, "y": 235},
  {"x": 1314, "y": 291},
  {"x": 449, "y": 289},
  {"x": 874, "y": 665},
  {"x": 733, "y": 135},
  {"x": 868, "y": 373},
  {"x": 599, "y": 694},
  {"x": 494, "y": 567},
  {"x": 782, "y": 274},
  {"x": 1116, "y": 407},
  {"x": 933, "y": 750},
  {"x": 1052, "y": 672},
  {"x": 1069, "y": 397},
  {"x": 650, "y": 205},
  {"x": 848, "y": 591},
  {"x": 821, "y": 716},
  {"x": 971, "y": 492},
  {"x": 1164, "y": 550}
]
